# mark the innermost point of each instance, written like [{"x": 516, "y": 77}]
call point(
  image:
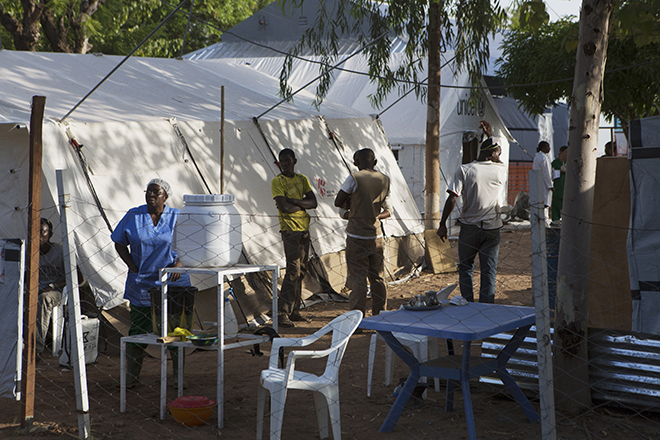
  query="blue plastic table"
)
[{"x": 465, "y": 323}]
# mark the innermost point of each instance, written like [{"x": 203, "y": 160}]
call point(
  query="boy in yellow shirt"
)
[{"x": 293, "y": 196}]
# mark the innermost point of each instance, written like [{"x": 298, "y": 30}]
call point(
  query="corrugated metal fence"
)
[{"x": 624, "y": 367}]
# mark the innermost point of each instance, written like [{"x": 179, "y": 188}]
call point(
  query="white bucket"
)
[
  {"x": 208, "y": 231},
  {"x": 231, "y": 323}
]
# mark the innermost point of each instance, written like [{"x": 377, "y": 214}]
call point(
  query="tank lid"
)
[{"x": 208, "y": 198}]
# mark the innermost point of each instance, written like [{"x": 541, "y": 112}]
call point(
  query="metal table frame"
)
[
  {"x": 222, "y": 345},
  {"x": 466, "y": 323}
]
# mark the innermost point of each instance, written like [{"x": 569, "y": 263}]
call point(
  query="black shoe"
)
[
  {"x": 284, "y": 321},
  {"x": 297, "y": 317},
  {"x": 129, "y": 385}
]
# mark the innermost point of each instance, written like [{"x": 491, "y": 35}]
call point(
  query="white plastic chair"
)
[
  {"x": 57, "y": 323},
  {"x": 325, "y": 387},
  {"x": 419, "y": 345}
]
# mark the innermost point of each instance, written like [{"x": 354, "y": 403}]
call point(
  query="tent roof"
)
[
  {"x": 138, "y": 124},
  {"x": 404, "y": 122},
  {"x": 144, "y": 89}
]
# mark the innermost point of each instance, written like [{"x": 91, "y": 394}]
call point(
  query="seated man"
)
[{"x": 51, "y": 281}]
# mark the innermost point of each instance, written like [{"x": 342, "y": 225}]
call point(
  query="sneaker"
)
[
  {"x": 296, "y": 316},
  {"x": 284, "y": 321}
]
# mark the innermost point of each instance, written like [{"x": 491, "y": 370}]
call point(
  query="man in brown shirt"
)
[{"x": 365, "y": 197}]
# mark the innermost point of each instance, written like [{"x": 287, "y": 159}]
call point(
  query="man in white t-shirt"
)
[{"x": 481, "y": 185}]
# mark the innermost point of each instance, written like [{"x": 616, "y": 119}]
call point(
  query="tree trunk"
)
[
  {"x": 432, "y": 188},
  {"x": 55, "y": 30},
  {"x": 571, "y": 369},
  {"x": 26, "y": 35}
]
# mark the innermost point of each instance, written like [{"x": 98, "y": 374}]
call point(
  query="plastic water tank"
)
[{"x": 208, "y": 231}]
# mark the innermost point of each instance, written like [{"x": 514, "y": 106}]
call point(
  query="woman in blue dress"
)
[{"x": 143, "y": 240}]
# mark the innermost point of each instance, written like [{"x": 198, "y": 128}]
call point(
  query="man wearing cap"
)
[
  {"x": 293, "y": 196},
  {"x": 481, "y": 185}
]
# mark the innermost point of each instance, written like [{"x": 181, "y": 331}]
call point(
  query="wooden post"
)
[
  {"x": 32, "y": 267},
  {"x": 542, "y": 306},
  {"x": 571, "y": 361},
  {"x": 222, "y": 139}
]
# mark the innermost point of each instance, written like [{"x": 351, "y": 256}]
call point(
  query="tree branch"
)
[
  {"x": 9, "y": 22},
  {"x": 55, "y": 31}
]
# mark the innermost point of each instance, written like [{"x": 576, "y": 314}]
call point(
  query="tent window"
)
[{"x": 395, "y": 151}]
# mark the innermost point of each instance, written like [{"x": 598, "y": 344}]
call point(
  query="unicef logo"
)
[{"x": 465, "y": 108}]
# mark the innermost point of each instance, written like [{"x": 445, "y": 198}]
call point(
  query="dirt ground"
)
[{"x": 497, "y": 416}]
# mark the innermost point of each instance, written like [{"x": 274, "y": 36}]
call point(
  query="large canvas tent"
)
[
  {"x": 263, "y": 39},
  {"x": 161, "y": 117},
  {"x": 403, "y": 118}
]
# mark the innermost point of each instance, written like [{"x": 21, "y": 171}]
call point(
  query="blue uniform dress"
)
[{"x": 151, "y": 249}]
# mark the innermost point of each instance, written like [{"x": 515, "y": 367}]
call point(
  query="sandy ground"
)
[{"x": 497, "y": 416}]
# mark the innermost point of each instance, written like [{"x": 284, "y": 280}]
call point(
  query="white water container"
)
[
  {"x": 208, "y": 231},
  {"x": 231, "y": 323}
]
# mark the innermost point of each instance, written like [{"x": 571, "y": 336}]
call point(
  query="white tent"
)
[
  {"x": 128, "y": 131},
  {"x": 403, "y": 119}
]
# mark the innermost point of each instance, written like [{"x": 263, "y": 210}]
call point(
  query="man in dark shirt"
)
[{"x": 51, "y": 280}]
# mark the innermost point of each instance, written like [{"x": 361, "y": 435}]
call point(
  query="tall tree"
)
[
  {"x": 116, "y": 27},
  {"x": 462, "y": 25},
  {"x": 63, "y": 23},
  {"x": 633, "y": 32},
  {"x": 571, "y": 367},
  {"x": 120, "y": 26},
  {"x": 539, "y": 57}
]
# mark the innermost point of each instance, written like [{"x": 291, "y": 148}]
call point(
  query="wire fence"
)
[{"x": 500, "y": 376}]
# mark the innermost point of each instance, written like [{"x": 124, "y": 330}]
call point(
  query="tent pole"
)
[
  {"x": 222, "y": 139},
  {"x": 73, "y": 304},
  {"x": 32, "y": 267}
]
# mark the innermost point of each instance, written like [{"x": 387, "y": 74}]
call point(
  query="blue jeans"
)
[{"x": 474, "y": 240}]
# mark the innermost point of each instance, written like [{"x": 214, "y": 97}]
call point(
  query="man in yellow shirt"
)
[{"x": 293, "y": 196}]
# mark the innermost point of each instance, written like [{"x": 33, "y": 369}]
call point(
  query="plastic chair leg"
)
[
  {"x": 433, "y": 353},
  {"x": 322, "y": 414},
  {"x": 261, "y": 406},
  {"x": 372, "y": 357},
  {"x": 333, "y": 408},
  {"x": 327, "y": 402},
  {"x": 277, "y": 401},
  {"x": 421, "y": 351},
  {"x": 389, "y": 366}
]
